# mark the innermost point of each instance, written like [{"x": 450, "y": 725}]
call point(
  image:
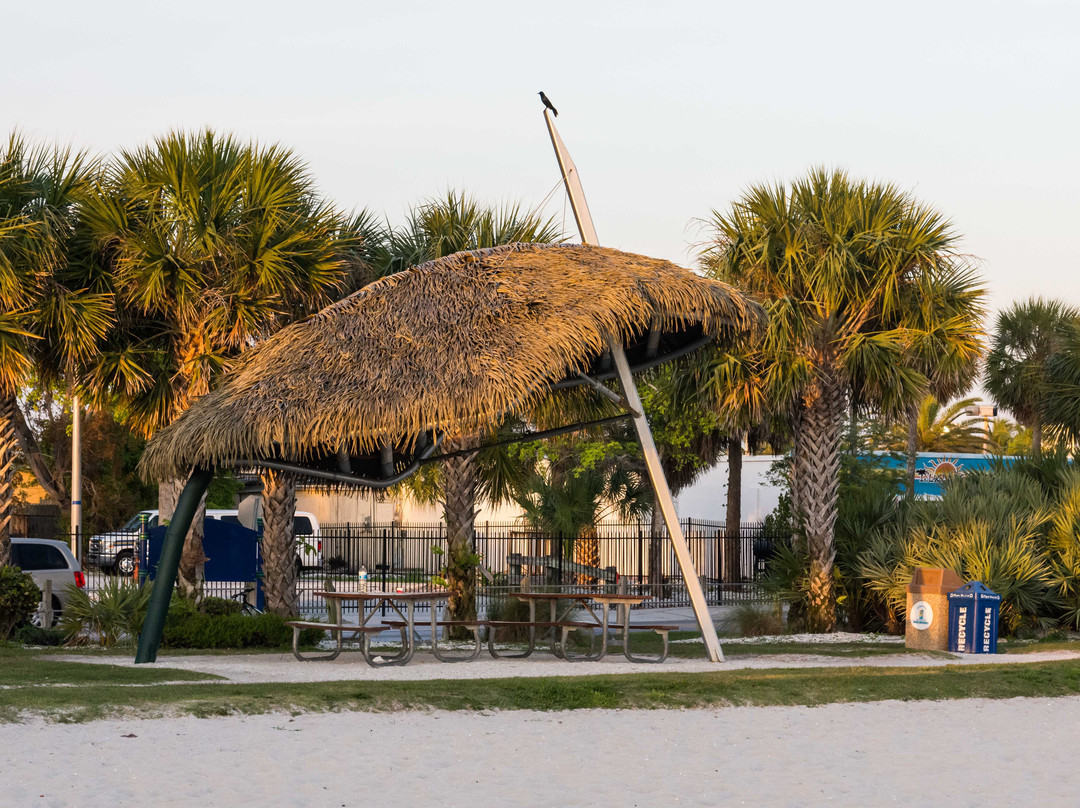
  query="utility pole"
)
[{"x": 76, "y": 478}]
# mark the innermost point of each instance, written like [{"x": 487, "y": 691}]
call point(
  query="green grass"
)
[
  {"x": 1032, "y": 646},
  {"x": 643, "y": 642},
  {"x": 629, "y": 691},
  {"x": 24, "y": 669}
]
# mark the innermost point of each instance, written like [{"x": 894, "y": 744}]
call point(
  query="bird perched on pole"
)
[{"x": 548, "y": 104}]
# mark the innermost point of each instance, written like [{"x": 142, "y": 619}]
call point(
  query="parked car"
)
[
  {"x": 116, "y": 551},
  {"x": 46, "y": 559}
]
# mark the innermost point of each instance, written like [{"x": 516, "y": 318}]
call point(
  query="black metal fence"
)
[
  {"x": 36, "y": 521},
  {"x": 625, "y": 554}
]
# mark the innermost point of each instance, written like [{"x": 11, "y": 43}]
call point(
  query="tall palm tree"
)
[
  {"x": 730, "y": 382},
  {"x": 1027, "y": 339},
  {"x": 53, "y": 308},
  {"x": 214, "y": 244},
  {"x": 847, "y": 271},
  {"x": 435, "y": 229}
]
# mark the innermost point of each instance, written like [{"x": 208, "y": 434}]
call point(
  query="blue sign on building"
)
[{"x": 932, "y": 468}]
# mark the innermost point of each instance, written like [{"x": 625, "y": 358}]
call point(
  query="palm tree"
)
[
  {"x": 947, "y": 346},
  {"x": 435, "y": 229},
  {"x": 848, "y": 272},
  {"x": 572, "y": 487},
  {"x": 730, "y": 383},
  {"x": 1027, "y": 339},
  {"x": 214, "y": 245},
  {"x": 53, "y": 308},
  {"x": 1005, "y": 437},
  {"x": 942, "y": 428}
]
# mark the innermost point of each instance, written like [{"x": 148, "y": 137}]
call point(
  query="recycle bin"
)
[
  {"x": 928, "y": 608},
  {"x": 973, "y": 619}
]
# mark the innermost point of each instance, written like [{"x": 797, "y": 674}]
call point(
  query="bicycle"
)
[{"x": 246, "y": 606}]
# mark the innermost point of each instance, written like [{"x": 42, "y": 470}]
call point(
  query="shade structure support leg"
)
[
  {"x": 169, "y": 563},
  {"x": 667, "y": 506}
]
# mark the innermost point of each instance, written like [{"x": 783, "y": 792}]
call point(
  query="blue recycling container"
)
[{"x": 973, "y": 619}]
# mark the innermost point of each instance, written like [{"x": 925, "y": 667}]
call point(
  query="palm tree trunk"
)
[
  {"x": 817, "y": 469},
  {"x": 656, "y": 552},
  {"x": 912, "y": 451},
  {"x": 1036, "y": 438},
  {"x": 587, "y": 552},
  {"x": 8, "y": 443},
  {"x": 189, "y": 576},
  {"x": 459, "y": 479},
  {"x": 733, "y": 521},
  {"x": 279, "y": 541}
]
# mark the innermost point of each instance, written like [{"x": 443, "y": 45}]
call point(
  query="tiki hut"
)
[{"x": 451, "y": 347}]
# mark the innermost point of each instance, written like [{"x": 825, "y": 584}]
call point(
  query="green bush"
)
[
  {"x": 29, "y": 634},
  {"x": 219, "y": 606},
  {"x": 1012, "y": 528},
  {"x": 186, "y": 627},
  {"x": 19, "y": 599},
  {"x": 754, "y": 620},
  {"x": 113, "y": 614}
]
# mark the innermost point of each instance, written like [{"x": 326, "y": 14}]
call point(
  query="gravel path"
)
[{"x": 252, "y": 668}]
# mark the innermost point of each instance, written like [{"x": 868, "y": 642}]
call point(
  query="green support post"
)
[{"x": 169, "y": 563}]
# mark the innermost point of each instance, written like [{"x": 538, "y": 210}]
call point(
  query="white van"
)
[
  {"x": 46, "y": 559},
  {"x": 116, "y": 551}
]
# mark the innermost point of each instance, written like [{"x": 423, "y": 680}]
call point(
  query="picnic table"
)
[
  {"x": 368, "y": 603},
  {"x": 597, "y": 605}
]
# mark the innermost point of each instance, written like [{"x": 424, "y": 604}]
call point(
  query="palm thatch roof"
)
[{"x": 451, "y": 347}]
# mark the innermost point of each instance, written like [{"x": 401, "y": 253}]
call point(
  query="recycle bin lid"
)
[
  {"x": 934, "y": 581},
  {"x": 973, "y": 588}
]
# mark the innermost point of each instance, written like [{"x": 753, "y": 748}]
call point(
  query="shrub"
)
[
  {"x": 219, "y": 606},
  {"x": 754, "y": 620},
  {"x": 113, "y": 614},
  {"x": 509, "y": 609},
  {"x": 989, "y": 527},
  {"x": 28, "y": 634},
  {"x": 19, "y": 599},
  {"x": 185, "y": 627}
]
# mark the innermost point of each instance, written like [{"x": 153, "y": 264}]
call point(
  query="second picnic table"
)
[
  {"x": 375, "y": 598},
  {"x": 622, "y": 602}
]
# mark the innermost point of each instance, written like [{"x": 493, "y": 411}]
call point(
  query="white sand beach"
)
[{"x": 956, "y": 753}]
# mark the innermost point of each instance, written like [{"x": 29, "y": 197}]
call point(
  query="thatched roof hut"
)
[{"x": 448, "y": 347}]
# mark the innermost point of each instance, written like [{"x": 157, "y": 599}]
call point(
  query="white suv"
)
[
  {"x": 116, "y": 551},
  {"x": 46, "y": 559}
]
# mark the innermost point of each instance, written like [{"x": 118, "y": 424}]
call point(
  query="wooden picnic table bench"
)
[
  {"x": 336, "y": 629},
  {"x": 627, "y": 627}
]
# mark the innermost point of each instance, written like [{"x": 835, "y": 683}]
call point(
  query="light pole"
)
[{"x": 76, "y": 478}]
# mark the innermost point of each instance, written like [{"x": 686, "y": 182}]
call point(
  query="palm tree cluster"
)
[
  {"x": 140, "y": 279},
  {"x": 870, "y": 307}
]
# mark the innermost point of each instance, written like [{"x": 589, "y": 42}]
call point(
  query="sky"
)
[{"x": 670, "y": 110}]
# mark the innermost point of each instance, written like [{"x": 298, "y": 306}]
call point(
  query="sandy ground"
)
[{"x": 959, "y": 753}]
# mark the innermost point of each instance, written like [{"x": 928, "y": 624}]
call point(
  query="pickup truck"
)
[{"x": 116, "y": 551}]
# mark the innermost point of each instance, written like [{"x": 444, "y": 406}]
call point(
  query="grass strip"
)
[
  {"x": 804, "y": 686},
  {"x": 17, "y": 671}
]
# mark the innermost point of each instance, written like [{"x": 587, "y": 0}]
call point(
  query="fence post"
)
[
  {"x": 385, "y": 566},
  {"x": 46, "y": 604},
  {"x": 640, "y": 556},
  {"x": 260, "y": 596},
  {"x": 142, "y": 551}
]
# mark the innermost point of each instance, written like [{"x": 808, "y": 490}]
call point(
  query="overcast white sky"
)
[{"x": 669, "y": 109}]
